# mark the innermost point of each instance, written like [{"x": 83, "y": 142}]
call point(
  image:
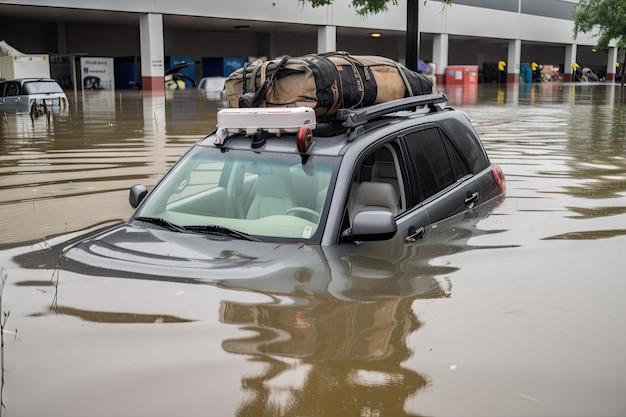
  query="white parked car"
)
[
  {"x": 212, "y": 88},
  {"x": 35, "y": 95}
]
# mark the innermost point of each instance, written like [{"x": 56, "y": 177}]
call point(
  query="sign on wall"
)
[{"x": 97, "y": 73}]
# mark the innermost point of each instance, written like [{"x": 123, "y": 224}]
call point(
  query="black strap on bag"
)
[
  {"x": 255, "y": 99},
  {"x": 244, "y": 78}
]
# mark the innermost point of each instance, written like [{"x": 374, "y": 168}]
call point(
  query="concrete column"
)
[
  {"x": 326, "y": 39},
  {"x": 152, "y": 53},
  {"x": 513, "y": 61},
  {"x": 440, "y": 56},
  {"x": 570, "y": 59},
  {"x": 62, "y": 38},
  {"x": 610, "y": 64},
  {"x": 272, "y": 49}
]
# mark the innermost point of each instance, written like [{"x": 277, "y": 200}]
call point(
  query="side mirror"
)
[
  {"x": 372, "y": 225},
  {"x": 137, "y": 193}
]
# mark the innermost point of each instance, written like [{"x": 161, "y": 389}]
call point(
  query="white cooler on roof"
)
[{"x": 274, "y": 120}]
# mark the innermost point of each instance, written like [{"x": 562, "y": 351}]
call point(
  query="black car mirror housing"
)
[{"x": 137, "y": 193}]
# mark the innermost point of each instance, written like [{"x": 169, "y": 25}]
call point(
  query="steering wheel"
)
[{"x": 304, "y": 210}]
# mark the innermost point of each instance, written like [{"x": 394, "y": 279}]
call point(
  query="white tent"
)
[
  {"x": 8, "y": 50},
  {"x": 15, "y": 64}
]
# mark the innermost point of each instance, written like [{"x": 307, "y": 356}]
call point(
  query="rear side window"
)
[
  {"x": 466, "y": 140},
  {"x": 12, "y": 89},
  {"x": 459, "y": 167},
  {"x": 41, "y": 87},
  {"x": 437, "y": 161}
]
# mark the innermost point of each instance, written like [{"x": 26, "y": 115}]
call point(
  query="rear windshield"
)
[{"x": 42, "y": 87}]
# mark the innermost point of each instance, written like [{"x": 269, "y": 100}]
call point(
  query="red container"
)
[{"x": 462, "y": 75}]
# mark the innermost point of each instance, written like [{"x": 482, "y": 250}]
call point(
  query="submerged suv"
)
[
  {"x": 276, "y": 175},
  {"x": 272, "y": 176}
]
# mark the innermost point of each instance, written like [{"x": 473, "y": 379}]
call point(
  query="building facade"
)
[{"x": 470, "y": 32}]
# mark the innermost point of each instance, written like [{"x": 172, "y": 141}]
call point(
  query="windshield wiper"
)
[
  {"x": 162, "y": 222},
  {"x": 221, "y": 230},
  {"x": 211, "y": 229}
]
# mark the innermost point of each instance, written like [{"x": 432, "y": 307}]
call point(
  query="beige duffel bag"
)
[{"x": 324, "y": 82}]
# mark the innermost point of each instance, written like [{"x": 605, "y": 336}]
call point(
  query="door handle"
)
[
  {"x": 471, "y": 198},
  {"x": 414, "y": 234}
]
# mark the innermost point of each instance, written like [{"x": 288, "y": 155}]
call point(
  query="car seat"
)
[
  {"x": 372, "y": 196},
  {"x": 272, "y": 195},
  {"x": 385, "y": 171}
]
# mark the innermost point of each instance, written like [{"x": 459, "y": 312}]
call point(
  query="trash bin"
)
[{"x": 462, "y": 75}]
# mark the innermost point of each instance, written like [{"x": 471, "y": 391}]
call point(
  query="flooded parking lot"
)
[{"x": 518, "y": 313}]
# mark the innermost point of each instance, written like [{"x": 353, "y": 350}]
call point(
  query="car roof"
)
[
  {"x": 30, "y": 79},
  {"x": 329, "y": 138},
  {"x": 22, "y": 81}
]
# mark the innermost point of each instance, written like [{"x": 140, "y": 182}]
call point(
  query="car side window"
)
[
  {"x": 437, "y": 161},
  {"x": 459, "y": 167},
  {"x": 467, "y": 141},
  {"x": 384, "y": 184},
  {"x": 12, "y": 89}
]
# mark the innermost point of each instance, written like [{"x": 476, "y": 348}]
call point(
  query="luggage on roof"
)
[{"x": 325, "y": 82}]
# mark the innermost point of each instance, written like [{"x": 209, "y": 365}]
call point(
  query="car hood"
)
[
  {"x": 130, "y": 251},
  {"x": 348, "y": 271}
]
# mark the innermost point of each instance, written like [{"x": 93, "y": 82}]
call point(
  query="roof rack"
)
[{"x": 357, "y": 117}]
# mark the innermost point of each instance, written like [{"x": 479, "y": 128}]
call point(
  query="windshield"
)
[
  {"x": 273, "y": 196},
  {"x": 42, "y": 87}
]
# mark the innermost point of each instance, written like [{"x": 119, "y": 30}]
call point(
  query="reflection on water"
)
[
  {"x": 515, "y": 313},
  {"x": 342, "y": 344},
  {"x": 57, "y": 173},
  {"x": 350, "y": 357},
  {"x": 570, "y": 137}
]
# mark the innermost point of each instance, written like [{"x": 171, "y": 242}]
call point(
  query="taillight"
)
[{"x": 498, "y": 175}]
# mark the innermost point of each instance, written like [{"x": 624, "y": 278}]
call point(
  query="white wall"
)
[
  {"x": 434, "y": 17},
  {"x": 486, "y": 23},
  {"x": 477, "y": 35}
]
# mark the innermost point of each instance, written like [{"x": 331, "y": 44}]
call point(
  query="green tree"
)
[
  {"x": 366, "y": 7},
  {"x": 606, "y": 19}
]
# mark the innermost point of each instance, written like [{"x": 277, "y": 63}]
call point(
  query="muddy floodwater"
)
[{"x": 518, "y": 313}]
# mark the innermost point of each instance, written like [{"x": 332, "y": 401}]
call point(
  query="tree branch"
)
[{"x": 365, "y": 7}]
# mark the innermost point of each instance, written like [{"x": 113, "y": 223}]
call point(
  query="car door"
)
[
  {"x": 440, "y": 179},
  {"x": 385, "y": 163},
  {"x": 10, "y": 98},
  {"x": 3, "y": 86}
]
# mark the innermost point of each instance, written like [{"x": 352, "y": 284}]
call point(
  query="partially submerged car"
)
[
  {"x": 34, "y": 95},
  {"x": 274, "y": 175}
]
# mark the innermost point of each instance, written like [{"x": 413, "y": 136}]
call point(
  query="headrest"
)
[
  {"x": 377, "y": 194},
  {"x": 384, "y": 169}
]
